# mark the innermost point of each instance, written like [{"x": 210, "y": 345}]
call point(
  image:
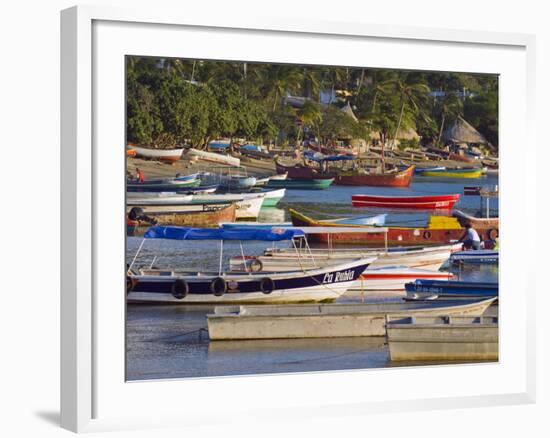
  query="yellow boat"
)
[{"x": 453, "y": 173}]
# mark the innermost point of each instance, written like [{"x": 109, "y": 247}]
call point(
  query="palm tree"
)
[
  {"x": 411, "y": 95},
  {"x": 451, "y": 107},
  {"x": 277, "y": 80}
]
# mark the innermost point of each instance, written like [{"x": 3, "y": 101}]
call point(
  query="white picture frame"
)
[{"x": 93, "y": 395}]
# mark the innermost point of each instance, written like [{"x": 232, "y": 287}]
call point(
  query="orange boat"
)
[
  {"x": 402, "y": 178},
  {"x": 131, "y": 153},
  {"x": 440, "y": 230}
]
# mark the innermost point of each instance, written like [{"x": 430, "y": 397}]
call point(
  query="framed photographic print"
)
[{"x": 324, "y": 209}]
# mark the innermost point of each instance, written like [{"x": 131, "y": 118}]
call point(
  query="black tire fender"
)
[
  {"x": 218, "y": 286},
  {"x": 180, "y": 289},
  {"x": 267, "y": 285},
  {"x": 492, "y": 234},
  {"x": 427, "y": 234},
  {"x": 256, "y": 265}
]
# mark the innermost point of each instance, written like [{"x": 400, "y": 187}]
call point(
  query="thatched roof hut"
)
[
  {"x": 462, "y": 132},
  {"x": 403, "y": 134}
]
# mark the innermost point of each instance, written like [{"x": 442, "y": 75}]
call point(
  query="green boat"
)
[
  {"x": 272, "y": 197},
  {"x": 300, "y": 184}
]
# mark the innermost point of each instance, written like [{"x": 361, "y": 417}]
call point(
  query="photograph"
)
[{"x": 292, "y": 218}]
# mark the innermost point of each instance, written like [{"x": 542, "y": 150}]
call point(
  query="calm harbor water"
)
[{"x": 166, "y": 341}]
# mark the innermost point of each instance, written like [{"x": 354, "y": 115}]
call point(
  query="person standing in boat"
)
[{"x": 470, "y": 238}]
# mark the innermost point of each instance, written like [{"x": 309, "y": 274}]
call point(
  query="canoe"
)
[
  {"x": 440, "y": 230},
  {"x": 453, "y": 173},
  {"x": 477, "y": 222},
  {"x": 302, "y": 172},
  {"x": 390, "y": 179},
  {"x": 450, "y": 289},
  {"x": 419, "y": 170},
  {"x": 323, "y": 321},
  {"x": 300, "y": 184},
  {"x": 442, "y": 338},
  {"x": 212, "y": 157},
  {"x": 191, "y": 215},
  {"x": 170, "y": 155},
  {"x": 324, "y": 284},
  {"x": 411, "y": 202},
  {"x": 285, "y": 259}
]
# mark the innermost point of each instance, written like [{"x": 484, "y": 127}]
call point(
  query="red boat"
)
[
  {"x": 301, "y": 171},
  {"x": 386, "y": 179},
  {"x": 412, "y": 202},
  {"x": 440, "y": 230}
]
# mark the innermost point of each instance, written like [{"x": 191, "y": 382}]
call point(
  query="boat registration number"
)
[{"x": 332, "y": 277}]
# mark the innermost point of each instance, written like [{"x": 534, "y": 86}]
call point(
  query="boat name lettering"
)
[{"x": 340, "y": 276}]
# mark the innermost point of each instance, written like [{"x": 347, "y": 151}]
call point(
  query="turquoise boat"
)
[
  {"x": 272, "y": 197},
  {"x": 300, "y": 184}
]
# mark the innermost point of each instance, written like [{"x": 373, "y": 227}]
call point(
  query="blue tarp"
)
[{"x": 183, "y": 233}]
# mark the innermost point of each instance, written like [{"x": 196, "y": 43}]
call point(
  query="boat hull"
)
[
  {"x": 451, "y": 289},
  {"x": 323, "y": 321},
  {"x": 396, "y": 236},
  {"x": 300, "y": 171},
  {"x": 316, "y": 285},
  {"x": 407, "y": 202},
  {"x": 397, "y": 179},
  {"x": 194, "y": 216},
  {"x": 453, "y": 173},
  {"x": 300, "y": 184},
  {"x": 170, "y": 155}
]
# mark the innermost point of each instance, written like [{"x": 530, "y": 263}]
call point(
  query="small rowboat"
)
[
  {"x": 442, "y": 338},
  {"x": 401, "y": 178},
  {"x": 212, "y": 157},
  {"x": 453, "y": 173},
  {"x": 191, "y": 215},
  {"x": 170, "y": 155},
  {"x": 395, "y": 278},
  {"x": 411, "y": 202},
  {"x": 450, "y": 289},
  {"x": 300, "y": 184}
]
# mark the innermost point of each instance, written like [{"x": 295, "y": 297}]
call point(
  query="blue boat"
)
[
  {"x": 450, "y": 289},
  {"x": 482, "y": 256}
]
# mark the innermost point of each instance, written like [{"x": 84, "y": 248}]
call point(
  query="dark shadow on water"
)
[{"x": 51, "y": 417}]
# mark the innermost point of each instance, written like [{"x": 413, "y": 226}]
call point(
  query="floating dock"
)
[
  {"x": 326, "y": 320},
  {"x": 453, "y": 338}
]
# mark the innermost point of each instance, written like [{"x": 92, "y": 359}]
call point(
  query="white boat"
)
[
  {"x": 482, "y": 256},
  {"x": 158, "y": 154},
  {"x": 156, "y": 198},
  {"x": 173, "y": 286},
  {"x": 281, "y": 259},
  {"x": 248, "y": 204},
  {"x": 393, "y": 278},
  {"x": 212, "y": 157},
  {"x": 279, "y": 176}
]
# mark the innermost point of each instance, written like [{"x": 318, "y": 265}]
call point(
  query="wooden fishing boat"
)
[
  {"x": 401, "y": 178},
  {"x": 420, "y": 289},
  {"x": 191, "y": 215},
  {"x": 162, "y": 185},
  {"x": 324, "y": 321},
  {"x": 212, "y": 157},
  {"x": 302, "y": 172},
  {"x": 410, "y": 202},
  {"x": 453, "y": 173},
  {"x": 442, "y": 338},
  {"x": 478, "y": 222},
  {"x": 440, "y": 230},
  {"x": 287, "y": 259},
  {"x": 248, "y": 204},
  {"x": 173, "y": 286},
  {"x": 170, "y": 155},
  {"x": 300, "y": 184}
]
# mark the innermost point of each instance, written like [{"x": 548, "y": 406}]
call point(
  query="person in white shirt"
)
[{"x": 470, "y": 238}]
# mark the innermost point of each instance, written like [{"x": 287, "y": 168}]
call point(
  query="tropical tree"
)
[{"x": 450, "y": 107}]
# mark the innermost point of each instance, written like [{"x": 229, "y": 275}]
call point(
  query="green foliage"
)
[{"x": 178, "y": 101}]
